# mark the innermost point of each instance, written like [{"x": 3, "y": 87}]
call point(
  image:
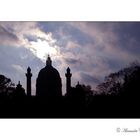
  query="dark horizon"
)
[{"x": 118, "y": 97}]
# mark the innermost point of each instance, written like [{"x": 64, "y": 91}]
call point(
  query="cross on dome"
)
[{"x": 49, "y": 61}]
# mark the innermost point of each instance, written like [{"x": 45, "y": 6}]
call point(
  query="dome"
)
[{"x": 48, "y": 81}]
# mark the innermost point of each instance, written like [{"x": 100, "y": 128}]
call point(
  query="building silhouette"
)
[
  {"x": 19, "y": 90},
  {"x": 28, "y": 83},
  {"x": 48, "y": 83},
  {"x": 68, "y": 81}
]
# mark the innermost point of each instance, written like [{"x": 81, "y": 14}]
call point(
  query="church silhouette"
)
[{"x": 48, "y": 82}]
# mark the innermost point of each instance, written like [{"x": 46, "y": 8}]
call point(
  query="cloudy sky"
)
[{"x": 91, "y": 49}]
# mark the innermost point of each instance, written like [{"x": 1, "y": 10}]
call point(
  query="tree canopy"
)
[{"x": 5, "y": 84}]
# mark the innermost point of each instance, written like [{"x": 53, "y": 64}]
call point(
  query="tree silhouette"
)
[
  {"x": 120, "y": 82},
  {"x": 131, "y": 83},
  {"x": 6, "y": 85}
]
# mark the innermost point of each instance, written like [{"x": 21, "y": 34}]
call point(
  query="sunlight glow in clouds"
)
[{"x": 42, "y": 48}]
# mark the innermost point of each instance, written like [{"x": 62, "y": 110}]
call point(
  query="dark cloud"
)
[
  {"x": 63, "y": 31},
  {"x": 72, "y": 61},
  {"x": 87, "y": 78},
  {"x": 126, "y": 30},
  {"x": 31, "y": 38},
  {"x": 7, "y": 37},
  {"x": 56, "y": 29},
  {"x": 112, "y": 63},
  {"x": 128, "y": 34}
]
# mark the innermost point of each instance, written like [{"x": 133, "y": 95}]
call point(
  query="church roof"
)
[
  {"x": 48, "y": 72},
  {"x": 48, "y": 80}
]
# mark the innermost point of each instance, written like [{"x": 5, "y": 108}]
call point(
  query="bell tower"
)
[
  {"x": 68, "y": 80},
  {"x": 28, "y": 87}
]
